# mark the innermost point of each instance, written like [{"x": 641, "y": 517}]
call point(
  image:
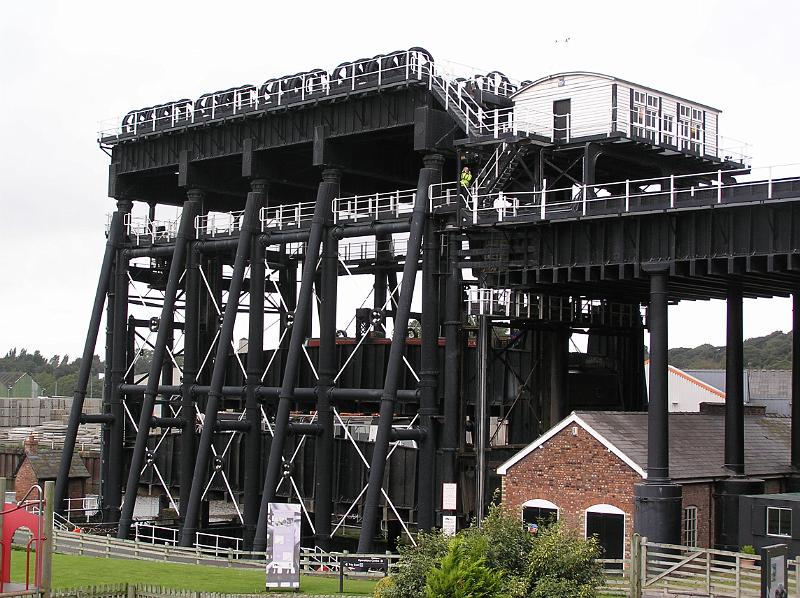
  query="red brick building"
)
[
  {"x": 584, "y": 469},
  {"x": 41, "y": 465}
]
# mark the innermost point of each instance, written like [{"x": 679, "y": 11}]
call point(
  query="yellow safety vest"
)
[{"x": 466, "y": 178}]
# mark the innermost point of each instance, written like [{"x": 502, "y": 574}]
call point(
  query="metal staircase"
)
[{"x": 501, "y": 167}]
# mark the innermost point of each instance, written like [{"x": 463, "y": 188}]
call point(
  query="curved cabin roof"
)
[{"x": 608, "y": 78}]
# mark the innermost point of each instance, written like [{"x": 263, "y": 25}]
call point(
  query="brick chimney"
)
[{"x": 31, "y": 444}]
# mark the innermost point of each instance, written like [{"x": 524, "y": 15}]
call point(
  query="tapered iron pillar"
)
[
  {"x": 191, "y": 364},
  {"x": 322, "y": 208},
  {"x": 559, "y": 371},
  {"x": 452, "y": 361},
  {"x": 734, "y": 386},
  {"x": 255, "y": 365},
  {"x": 115, "y": 234},
  {"x": 481, "y": 429},
  {"x": 323, "y": 444},
  {"x": 247, "y": 232},
  {"x": 428, "y": 175},
  {"x": 112, "y": 496},
  {"x": 429, "y": 376},
  {"x": 796, "y": 381},
  {"x": 182, "y": 239},
  {"x": 658, "y": 500}
]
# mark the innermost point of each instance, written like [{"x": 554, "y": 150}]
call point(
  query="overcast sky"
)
[{"x": 67, "y": 65}]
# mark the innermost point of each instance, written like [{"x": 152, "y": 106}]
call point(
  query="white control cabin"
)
[{"x": 580, "y": 106}]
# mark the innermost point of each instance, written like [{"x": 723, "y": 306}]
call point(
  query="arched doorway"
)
[{"x": 607, "y": 523}]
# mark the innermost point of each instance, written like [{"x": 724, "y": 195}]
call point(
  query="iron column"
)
[{"x": 734, "y": 386}]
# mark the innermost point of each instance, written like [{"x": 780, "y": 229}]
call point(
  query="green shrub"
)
[
  {"x": 383, "y": 587},
  {"x": 554, "y": 587},
  {"x": 560, "y": 559},
  {"x": 463, "y": 573},
  {"x": 748, "y": 549},
  {"x": 414, "y": 565}
]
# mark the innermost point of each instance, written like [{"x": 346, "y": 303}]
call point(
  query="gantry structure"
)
[{"x": 591, "y": 198}]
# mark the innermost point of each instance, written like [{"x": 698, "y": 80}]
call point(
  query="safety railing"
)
[
  {"x": 82, "y": 508},
  {"x": 375, "y": 206},
  {"x": 155, "y": 534},
  {"x": 372, "y": 249},
  {"x": 217, "y": 545},
  {"x": 140, "y": 229},
  {"x": 632, "y": 195},
  {"x": 287, "y": 216},
  {"x": 272, "y": 94},
  {"x": 218, "y": 223}
]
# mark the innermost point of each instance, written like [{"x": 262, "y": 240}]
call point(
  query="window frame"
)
[
  {"x": 689, "y": 515},
  {"x": 767, "y": 527}
]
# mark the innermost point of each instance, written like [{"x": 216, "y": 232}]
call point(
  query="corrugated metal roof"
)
[{"x": 697, "y": 442}]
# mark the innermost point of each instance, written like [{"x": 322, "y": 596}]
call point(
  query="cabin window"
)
[
  {"x": 668, "y": 129},
  {"x": 779, "y": 522},
  {"x": 690, "y": 129},
  {"x": 689, "y": 527},
  {"x": 644, "y": 116}
]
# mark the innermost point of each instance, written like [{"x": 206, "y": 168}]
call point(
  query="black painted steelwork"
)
[
  {"x": 428, "y": 176},
  {"x": 114, "y": 239},
  {"x": 734, "y": 386},
  {"x": 590, "y": 265},
  {"x": 177, "y": 266},
  {"x": 796, "y": 380}
]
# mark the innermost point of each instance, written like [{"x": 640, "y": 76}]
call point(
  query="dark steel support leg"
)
[
  {"x": 482, "y": 417},
  {"x": 115, "y": 235},
  {"x": 430, "y": 174},
  {"x": 255, "y": 365},
  {"x": 452, "y": 358},
  {"x": 191, "y": 363},
  {"x": 323, "y": 483},
  {"x": 185, "y": 234},
  {"x": 559, "y": 370},
  {"x": 658, "y": 500},
  {"x": 322, "y": 209},
  {"x": 383, "y": 243},
  {"x": 734, "y": 386},
  {"x": 429, "y": 375},
  {"x": 246, "y": 235},
  {"x": 796, "y": 381},
  {"x": 112, "y": 496}
]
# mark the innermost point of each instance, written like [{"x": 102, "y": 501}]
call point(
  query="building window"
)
[
  {"x": 668, "y": 129},
  {"x": 644, "y": 116},
  {"x": 779, "y": 522},
  {"x": 690, "y": 129},
  {"x": 689, "y": 528},
  {"x": 539, "y": 512}
]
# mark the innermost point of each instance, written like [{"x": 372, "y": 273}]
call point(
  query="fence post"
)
[
  {"x": 130, "y": 590},
  {"x": 643, "y": 567},
  {"x": 719, "y": 186},
  {"x": 636, "y": 567}
]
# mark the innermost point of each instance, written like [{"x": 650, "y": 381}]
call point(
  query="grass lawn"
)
[{"x": 71, "y": 571}]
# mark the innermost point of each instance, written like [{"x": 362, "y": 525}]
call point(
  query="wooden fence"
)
[
  {"x": 672, "y": 570},
  {"x": 135, "y": 591}
]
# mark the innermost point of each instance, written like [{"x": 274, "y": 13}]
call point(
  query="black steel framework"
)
[{"x": 305, "y": 164}]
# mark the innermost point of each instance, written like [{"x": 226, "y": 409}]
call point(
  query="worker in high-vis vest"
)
[{"x": 466, "y": 177}]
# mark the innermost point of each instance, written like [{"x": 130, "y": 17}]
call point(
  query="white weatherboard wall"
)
[
  {"x": 591, "y": 98},
  {"x": 590, "y": 104},
  {"x": 685, "y": 391}
]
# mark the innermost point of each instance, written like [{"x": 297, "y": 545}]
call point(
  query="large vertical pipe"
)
[
  {"x": 323, "y": 482},
  {"x": 658, "y": 500},
  {"x": 105, "y": 434},
  {"x": 658, "y": 407},
  {"x": 112, "y": 495},
  {"x": 255, "y": 365},
  {"x": 559, "y": 371},
  {"x": 428, "y": 175},
  {"x": 246, "y": 235},
  {"x": 322, "y": 207},
  {"x": 429, "y": 376},
  {"x": 795, "y": 380},
  {"x": 382, "y": 255},
  {"x": 115, "y": 234},
  {"x": 184, "y": 235},
  {"x": 191, "y": 363},
  {"x": 452, "y": 354},
  {"x": 481, "y": 418},
  {"x": 734, "y": 386}
]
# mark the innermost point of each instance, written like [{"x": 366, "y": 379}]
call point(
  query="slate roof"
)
[
  {"x": 45, "y": 465},
  {"x": 696, "y": 442},
  {"x": 715, "y": 378}
]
